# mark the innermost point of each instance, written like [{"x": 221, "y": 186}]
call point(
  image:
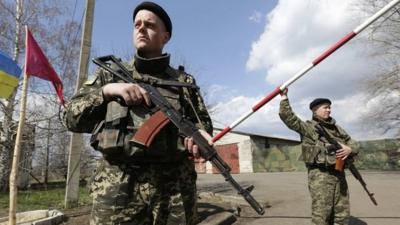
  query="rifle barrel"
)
[{"x": 358, "y": 176}]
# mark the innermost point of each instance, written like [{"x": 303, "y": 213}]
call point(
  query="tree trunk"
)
[{"x": 8, "y": 124}]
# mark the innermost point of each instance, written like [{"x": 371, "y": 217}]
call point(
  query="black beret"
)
[
  {"x": 319, "y": 101},
  {"x": 156, "y": 9}
]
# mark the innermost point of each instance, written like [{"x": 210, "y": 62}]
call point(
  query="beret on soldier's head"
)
[
  {"x": 156, "y": 9},
  {"x": 319, "y": 101}
]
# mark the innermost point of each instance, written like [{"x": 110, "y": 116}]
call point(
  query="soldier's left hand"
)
[
  {"x": 344, "y": 152},
  {"x": 191, "y": 145}
]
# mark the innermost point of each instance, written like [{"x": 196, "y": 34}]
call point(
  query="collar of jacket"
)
[
  {"x": 151, "y": 66},
  {"x": 329, "y": 123}
]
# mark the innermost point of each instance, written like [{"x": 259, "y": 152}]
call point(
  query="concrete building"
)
[
  {"x": 248, "y": 153},
  {"x": 251, "y": 153}
]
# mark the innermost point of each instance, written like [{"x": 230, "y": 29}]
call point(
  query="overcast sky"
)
[{"x": 239, "y": 51}]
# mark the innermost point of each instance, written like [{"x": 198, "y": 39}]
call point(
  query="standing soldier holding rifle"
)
[
  {"x": 136, "y": 184},
  {"x": 326, "y": 178}
]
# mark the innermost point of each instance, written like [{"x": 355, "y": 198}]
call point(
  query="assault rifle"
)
[
  {"x": 349, "y": 162},
  {"x": 166, "y": 113}
]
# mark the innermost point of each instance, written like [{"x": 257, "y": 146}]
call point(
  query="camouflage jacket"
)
[
  {"x": 113, "y": 125},
  {"x": 314, "y": 145}
]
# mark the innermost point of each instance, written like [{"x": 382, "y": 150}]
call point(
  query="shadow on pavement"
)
[
  {"x": 221, "y": 187},
  {"x": 356, "y": 221},
  {"x": 209, "y": 209}
]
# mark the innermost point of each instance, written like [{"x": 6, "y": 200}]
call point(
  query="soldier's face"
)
[
  {"x": 149, "y": 34},
  {"x": 323, "y": 111}
]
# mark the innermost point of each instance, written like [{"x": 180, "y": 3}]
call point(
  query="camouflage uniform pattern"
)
[
  {"x": 148, "y": 195},
  {"x": 328, "y": 187},
  {"x": 330, "y": 197},
  {"x": 128, "y": 189}
]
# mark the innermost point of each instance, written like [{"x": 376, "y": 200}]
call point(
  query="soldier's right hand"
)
[
  {"x": 132, "y": 94},
  {"x": 344, "y": 152}
]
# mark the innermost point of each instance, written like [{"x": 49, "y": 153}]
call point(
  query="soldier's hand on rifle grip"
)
[
  {"x": 132, "y": 94},
  {"x": 284, "y": 94},
  {"x": 344, "y": 152},
  {"x": 192, "y": 147}
]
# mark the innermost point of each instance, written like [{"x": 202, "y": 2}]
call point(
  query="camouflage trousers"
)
[
  {"x": 152, "y": 194},
  {"x": 329, "y": 196}
]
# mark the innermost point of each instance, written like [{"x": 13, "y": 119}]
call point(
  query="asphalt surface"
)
[{"x": 288, "y": 199}]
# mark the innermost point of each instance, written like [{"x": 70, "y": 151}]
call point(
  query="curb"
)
[
  {"x": 223, "y": 218},
  {"x": 235, "y": 201},
  {"x": 37, "y": 217},
  {"x": 54, "y": 217}
]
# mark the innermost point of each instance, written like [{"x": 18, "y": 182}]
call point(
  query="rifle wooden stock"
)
[
  {"x": 339, "y": 166},
  {"x": 150, "y": 128}
]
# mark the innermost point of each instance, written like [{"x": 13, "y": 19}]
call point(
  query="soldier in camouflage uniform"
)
[
  {"x": 328, "y": 187},
  {"x": 134, "y": 184}
]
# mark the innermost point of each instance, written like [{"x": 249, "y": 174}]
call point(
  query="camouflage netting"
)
[{"x": 374, "y": 155}]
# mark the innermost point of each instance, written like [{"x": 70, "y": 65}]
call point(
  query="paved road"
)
[{"x": 287, "y": 194}]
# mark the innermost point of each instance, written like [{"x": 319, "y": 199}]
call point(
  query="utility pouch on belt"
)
[
  {"x": 313, "y": 153},
  {"x": 109, "y": 136},
  {"x": 326, "y": 156},
  {"x": 316, "y": 152}
]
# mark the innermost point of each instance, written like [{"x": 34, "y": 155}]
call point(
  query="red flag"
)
[{"x": 36, "y": 64}]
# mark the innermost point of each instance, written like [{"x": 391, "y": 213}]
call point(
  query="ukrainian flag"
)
[{"x": 9, "y": 76}]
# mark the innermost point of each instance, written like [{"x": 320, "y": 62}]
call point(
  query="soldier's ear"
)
[{"x": 166, "y": 37}]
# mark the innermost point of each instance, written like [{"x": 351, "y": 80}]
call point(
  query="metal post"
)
[{"x": 76, "y": 143}]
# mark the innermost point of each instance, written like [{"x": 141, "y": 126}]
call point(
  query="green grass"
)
[{"x": 41, "y": 199}]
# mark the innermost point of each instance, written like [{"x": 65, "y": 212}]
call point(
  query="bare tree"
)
[
  {"x": 52, "y": 23},
  {"x": 384, "y": 87}
]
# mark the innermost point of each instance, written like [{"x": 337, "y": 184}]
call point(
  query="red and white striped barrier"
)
[{"x": 307, "y": 68}]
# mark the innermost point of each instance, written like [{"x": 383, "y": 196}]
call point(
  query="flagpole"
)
[{"x": 16, "y": 155}]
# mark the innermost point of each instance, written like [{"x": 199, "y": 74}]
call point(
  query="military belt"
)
[{"x": 321, "y": 167}]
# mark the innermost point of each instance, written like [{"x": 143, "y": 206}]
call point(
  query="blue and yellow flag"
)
[{"x": 9, "y": 76}]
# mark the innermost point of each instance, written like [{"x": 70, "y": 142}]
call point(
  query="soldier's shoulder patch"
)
[
  {"x": 189, "y": 79},
  {"x": 91, "y": 81},
  {"x": 185, "y": 77}
]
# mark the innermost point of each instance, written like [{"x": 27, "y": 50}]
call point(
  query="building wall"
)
[
  {"x": 285, "y": 156},
  {"x": 379, "y": 155},
  {"x": 266, "y": 154},
  {"x": 276, "y": 155},
  {"x": 229, "y": 153},
  {"x": 263, "y": 154},
  {"x": 245, "y": 151}
]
